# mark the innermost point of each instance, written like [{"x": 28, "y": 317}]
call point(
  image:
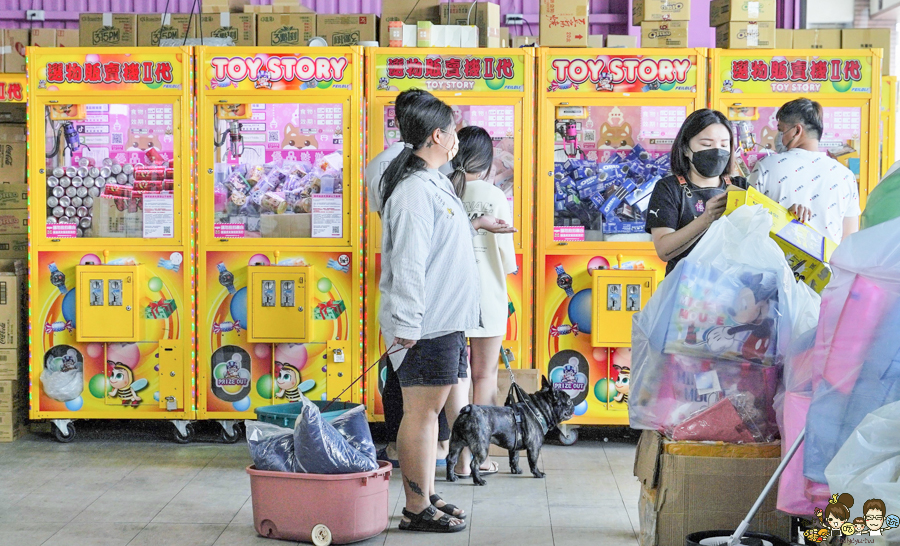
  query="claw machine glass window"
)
[
  {"x": 498, "y": 120},
  {"x": 110, "y": 170},
  {"x": 279, "y": 170},
  {"x": 607, "y": 162}
]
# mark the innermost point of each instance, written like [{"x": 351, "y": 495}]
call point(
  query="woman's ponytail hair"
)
[
  {"x": 418, "y": 120},
  {"x": 475, "y": 156}
]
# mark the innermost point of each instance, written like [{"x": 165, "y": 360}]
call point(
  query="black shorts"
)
[{"x": 434, "y": 362}]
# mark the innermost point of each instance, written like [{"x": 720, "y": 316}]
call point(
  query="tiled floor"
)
[{"x": 139, "y": 488}]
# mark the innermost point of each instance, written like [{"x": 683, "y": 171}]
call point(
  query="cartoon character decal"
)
[
  {"x": 383, "y": 84},
  {"x": 123, "y": 383},
  {"x": 616, "y": 137},
  {"x": 294, "y": 139},
  {"x": 262, "y": 80},
  {"x": 767, "y": 138},
  {"x": 287, "y": 377},
  {"x": 570, "y": 374},
  {"x": 622, "y": 381},
  {"x": 728, "y": 86},
  {"x": 141, "y": 142},
  {"x": 605, "y": 82},
  {"x": 750, "y": 311},
  {"x": 876, "y": 518}
]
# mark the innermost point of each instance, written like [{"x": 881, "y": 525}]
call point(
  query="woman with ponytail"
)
[
  {"x": 427, "y": 298},
  {"x": 495, "y": 256}
]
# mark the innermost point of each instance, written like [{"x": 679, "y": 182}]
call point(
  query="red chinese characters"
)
[{"x": 110, "y": 72}]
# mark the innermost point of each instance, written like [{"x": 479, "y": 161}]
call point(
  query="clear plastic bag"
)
[
  {"x": 320, "y": 448},
  {"x": 62, "y": 378},
  {"x": 271, "y": 447},
  {"x": 720, "y": 325},
  {"x": 868, "y": 465},
  {"x": 354, "y": 427}
]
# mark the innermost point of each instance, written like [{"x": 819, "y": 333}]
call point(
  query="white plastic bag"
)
[
  {"x": 63, "y": 377},
  {"x": 868, "y": 465},
  {"x": 690, "y": 343}
]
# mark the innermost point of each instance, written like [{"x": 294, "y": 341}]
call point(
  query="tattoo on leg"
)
[{"x": 414, "y": 487}]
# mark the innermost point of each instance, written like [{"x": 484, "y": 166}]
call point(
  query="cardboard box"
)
[
  {"x": 67, "y": 37},
  {"x": 868, "y": 38},
  {"x": 746, "y": 35},
  {"x": 430, "y": 35},
  {"x": 504, "y": 37},
  {"x": 564, "y": 23},
  {"x": 664, "y": 34},
  {"x": 13, "y": 112},
  {"x": 13, "y": 222},
  {"x": 13, "y": 196},
  {"x": 14, "y": 246},
  {"x": 685, "y": 494},
  {"x": 11, "y": 397},
  {"x": 817, "y": 38},
  {"x": 806, "y": 251},
  {"x": 660, "y": 10},
  {"x": 621, "y": 40},
  {"x": 289, "y": 29},
  {"x": 224, "y": 6},
  {"x": 107, "y": 30},
  {"x": 725, "y": 11},
  {"x": 522, "y": 41},
  {"x": 153, "y": 27},
  {"x": 43, "y": 37},
  {"x": 485, "y": 16},
  {"x": 13, "y": 151},
  {"x": 12, "y": 365},
  {"x": 402, "y": 35},
  {"x": 240, "y": 27},
  {"x": 595, "y": 40},
  {"x": 13, "y": 425},
  {"x": 408, "y": 12},
  {"x": 347, "y": 30},
  {"x": 289, "y": 6},
  {"x": 267, "y": 8},
  {"x": 13, "y": 42},
  {"x": 784, "y": 38}
]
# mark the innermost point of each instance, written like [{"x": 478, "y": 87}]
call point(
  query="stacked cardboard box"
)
[
  {"x": 13, "y": 351},
  {"x": 664, "y": 23},
  {"x": 743, "y": 24},
  {"x": 240, "y": 27},
  {"x": 107, "y": 30},
  {"x": 13, "y": 191},
  {"x": 349, "y": 29},
  {"x": 817, "y": 38},
  {"x": 484, "y": 15},
  {"x": 564, "y": 23},
  {"x": 285, "y": 29},
  {"x": 409, "y": 12},
  {"x": 153, "y": 27},
  {"x": 223, "y": 6},
  {"x": 689, "y": 487},
  {"x": 868, "y": 38},
  {"x": 13, "y": 42}
]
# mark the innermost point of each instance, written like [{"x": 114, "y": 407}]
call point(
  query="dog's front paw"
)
[
  {"x": 537, "y": 473},
  {"x": 479, "y": 480},
  {"x": 451, "y": 476},
  {"x": 515, "y": 470}
]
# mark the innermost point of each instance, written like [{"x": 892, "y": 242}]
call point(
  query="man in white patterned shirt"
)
[{"x": 817, "y": 189}]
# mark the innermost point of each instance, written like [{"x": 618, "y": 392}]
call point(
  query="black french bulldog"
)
[{"x": 520, "y": 426}]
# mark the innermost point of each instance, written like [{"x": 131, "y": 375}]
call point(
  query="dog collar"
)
[{"x": 539, "y": 415}]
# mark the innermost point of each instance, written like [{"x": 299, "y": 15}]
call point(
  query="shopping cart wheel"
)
[
  {"x": 570, "y": 438},
  {"x": 67, "y": 436},
  {"x": 321, "y": 535}
]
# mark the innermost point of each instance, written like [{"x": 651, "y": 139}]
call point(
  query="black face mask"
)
[{"x": 712, "y": 162}]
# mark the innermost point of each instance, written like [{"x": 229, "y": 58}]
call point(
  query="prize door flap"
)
[
  {"x": 279, "y": 307},
  {"x": 171, "y": 376},
  {"x": 106, "y": 307},
  {"x": 617, "y": 296},
  {"x": 339, "y": 370}
]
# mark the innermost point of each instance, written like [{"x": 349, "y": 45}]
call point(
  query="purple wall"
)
[{"x": 607, "y": 16}]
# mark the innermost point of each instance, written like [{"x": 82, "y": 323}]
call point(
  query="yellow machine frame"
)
[
  {"x": 338, "y": 356},
  {"x": 176, "y": 352},
  {"x": 520, "y": 285},
  {"x": 869, "y": 101},
  {"x": 888, "y": 122},
  {"x": 575, "y": 258}
]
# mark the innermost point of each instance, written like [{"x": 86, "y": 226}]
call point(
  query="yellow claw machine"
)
[
  {"x": 749, "y": 86},
  {"x": 489, "y": 88},
  {"x": 280, "y": 260},
  {"x": 888, "y": 122},
  {"x": 111, "y": 311},
  {"x": 606, "y": 122}
]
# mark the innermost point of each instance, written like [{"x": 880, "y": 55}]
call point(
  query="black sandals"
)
[
  {"x": 448, "y": 509},
  {"x": 424, "y": 522}
]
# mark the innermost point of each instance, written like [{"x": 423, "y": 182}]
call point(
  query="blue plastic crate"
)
[{"x": 284, "y": 415}]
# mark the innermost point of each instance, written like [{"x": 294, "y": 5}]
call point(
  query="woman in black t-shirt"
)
[{"x": 685, "y": 203}]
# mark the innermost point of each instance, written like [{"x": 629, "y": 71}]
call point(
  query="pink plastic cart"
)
[{"x": 320, "y": 508}]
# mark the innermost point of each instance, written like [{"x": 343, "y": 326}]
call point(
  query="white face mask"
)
[{"x": 780, "y": 146}]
